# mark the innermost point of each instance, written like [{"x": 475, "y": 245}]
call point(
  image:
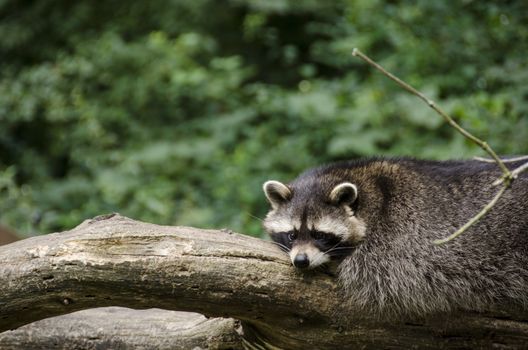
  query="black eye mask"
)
[
  {"x": 330, "y": 244},
  {"x": 283, "y": 239},
  {"x": 326, "y": 242}
]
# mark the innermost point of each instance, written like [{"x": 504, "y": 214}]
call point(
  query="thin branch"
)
[
  {"x": 507, "y": 177},
  {"x": 508, "y": 160},
  {"x": 474, "y": 219},
  {"x": 438, "y": 110},
  {"x": 515, "y": 172}
]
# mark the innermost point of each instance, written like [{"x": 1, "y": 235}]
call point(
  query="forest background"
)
[{"x": 176, "y": 112}]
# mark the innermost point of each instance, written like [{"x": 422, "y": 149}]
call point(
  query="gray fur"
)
[{"x": 406, "y": 204}]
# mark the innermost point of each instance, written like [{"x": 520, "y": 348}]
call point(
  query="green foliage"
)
[{"x": 176, "y": 112}]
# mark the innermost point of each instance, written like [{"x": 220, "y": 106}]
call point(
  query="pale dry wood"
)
[
  {"x": 116, "y": 261},
  {"x": 120, "y": 328}
]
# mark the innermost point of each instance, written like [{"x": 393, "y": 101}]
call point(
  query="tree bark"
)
[
  {"x": 120, "y": 328},
  {"x": 115, "y": 261}
]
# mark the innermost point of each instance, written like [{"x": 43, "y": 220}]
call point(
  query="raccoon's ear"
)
[
  {"x": 276, "y": 192},
  {"x": 344, "y": 193}
]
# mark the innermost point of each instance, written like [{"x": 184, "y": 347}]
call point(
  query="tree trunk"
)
[{"x": 115, "y": 261}]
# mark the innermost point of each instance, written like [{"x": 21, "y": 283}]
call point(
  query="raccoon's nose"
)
[{"x": 301, "y": 261}]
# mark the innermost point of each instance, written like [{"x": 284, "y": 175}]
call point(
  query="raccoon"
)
[{"x": 378, "y": 218}]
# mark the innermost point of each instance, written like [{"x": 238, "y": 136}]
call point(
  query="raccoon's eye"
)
[{"x": 291, "y": 236}]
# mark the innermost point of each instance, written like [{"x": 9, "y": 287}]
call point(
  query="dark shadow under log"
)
[{"x": 116, "y": 261}]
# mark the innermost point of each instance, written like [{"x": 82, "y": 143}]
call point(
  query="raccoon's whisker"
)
[
  {"x": 255, "y": 217},
  {"x": 332, "y": 248},
  {"x": 282, "y": 246},
  {"x": 320, "y": 255},
  {"x": 339, "y": 248}
]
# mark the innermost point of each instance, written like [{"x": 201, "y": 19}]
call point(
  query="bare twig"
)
[
  {"x": 508, "y": 160},
  {"x": 514, "y": 173},
  {"x": 507, "y": 177},
  {"x": 437, "y": 109},
  {"x": 474, "y": 219}
]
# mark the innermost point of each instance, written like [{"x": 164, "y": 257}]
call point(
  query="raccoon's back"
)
[{"x": 398, "y": 270}]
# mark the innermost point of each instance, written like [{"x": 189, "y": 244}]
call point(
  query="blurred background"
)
[{"x": 175, "y": 112}]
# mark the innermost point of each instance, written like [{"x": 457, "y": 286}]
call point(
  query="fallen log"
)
[
  {"x": 120, "y": 328},
  {"x": 115, "y": 261}
]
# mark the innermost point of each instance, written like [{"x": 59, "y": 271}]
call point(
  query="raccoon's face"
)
[{"x": 312, "y": 225}]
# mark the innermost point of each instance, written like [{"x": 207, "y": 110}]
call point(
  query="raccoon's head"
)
[{"x": 313, "y": 222}]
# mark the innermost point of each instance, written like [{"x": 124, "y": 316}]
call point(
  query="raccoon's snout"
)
[
  {"x": 307, "y": 256},
  {"x": 301, "y": 261}
]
